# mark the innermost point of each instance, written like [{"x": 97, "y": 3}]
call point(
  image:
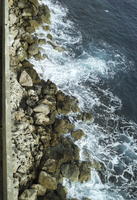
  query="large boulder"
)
[
  {"x": 66, "y": 151},
  {"x": 30, "y": 194},
  {"x": 33, "y": 74},
  {"x": 41, "y": 119},
  {"x": 62, "y": 192},
  {"x": 25, "y": 79},
  {"x": 49, "y": 88},
  {"x": 47, "y": 181},
  {"x": 62, "y": 126},
  {"x": 70, "y": 171},
  {"x": 66, "y": 104},
  {"x": 78, "y": 134},
  {"x": 42, "y": 108},
  {"x": 85, "y": 172}
]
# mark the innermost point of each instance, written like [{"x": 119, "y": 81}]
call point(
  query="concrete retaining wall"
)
[{"x": 6, "y": 145}]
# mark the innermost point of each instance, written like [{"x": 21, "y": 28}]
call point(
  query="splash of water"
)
[{"x": 111, "y": 139}]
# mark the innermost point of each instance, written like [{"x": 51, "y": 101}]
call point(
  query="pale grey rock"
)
[
  {"x": 16, "y": 92},
  {"x": 41, "y": 119},
  {"x": 21, "y": 4},
  {"x": 21, "y": 54},
  {"x": 29, "y": 194},
  {"x": 27, "y": 12},
  {"x": 13, "y": 19},
  {"x": 46, "y": 101},
  {"x": 25, "y": 79},
  {"x": 42, "y": 109}
]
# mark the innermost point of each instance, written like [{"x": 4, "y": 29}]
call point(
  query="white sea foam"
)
[{"x": 80, "y": 76}]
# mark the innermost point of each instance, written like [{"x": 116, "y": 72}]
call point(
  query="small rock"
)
[
  {"x": 46, "y": 28},
  {"x": 50, "y": 166},
  {"x": 27, "y": 12},
  {"x": 41, "y": 41},
  {"x": 59, "y": 49},
  {"x": 85, "y": 172},
  {"x": 47, "y": 181},
  {"x": 39, "y": 188},
  {"x": 32, "y": 100},
  {"x": 21, "y": 4},
  {"x": 39, "y": 56},
  {"x": 19, "y": 115},
  {"x": 25, "y": 79},
  {"x": 62, "y": 192},
  {"x": 21, "y": 54},
  {"x": 24, "y": 45},
  {"x": 30, "y": 29},
  {"x": 28, "y": 38},
  {"x": 45, "y": 17},
  {"x": 13, "y": 33},
  {"x": 78, "y": 134},
  {"x": 46, "y": 101},
  {"x": 29, "y": 194},
  {"x": 49, "y": 88},
  {"x": 49, "y": 36},
  {"x": 85, "y": 116},
  {"x": 41, "y": 119},
  {"x": 34, "y": 24},
  {"x": 35, "y": 2},
  {"x": 66, "y": 151},
  {"x": 13, "y": 19},
  {"x": 33, "y": 49},
  {"x": 10, "y": 3},
  {"x": 42, "y": 109},
  {"x": 52, "y": 195}
]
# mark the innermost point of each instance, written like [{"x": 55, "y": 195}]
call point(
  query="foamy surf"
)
[{"x": 110, "y": 139}]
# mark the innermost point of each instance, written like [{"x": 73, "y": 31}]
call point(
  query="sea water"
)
[{"x": 98, "y": 67}]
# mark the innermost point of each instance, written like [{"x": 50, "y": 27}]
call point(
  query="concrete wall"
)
[
  {"x": 6, "y": 145},
  {"x": 1, "y": 174}
]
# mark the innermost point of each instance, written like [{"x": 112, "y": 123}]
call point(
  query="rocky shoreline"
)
[{"x": 42, "y": 154}]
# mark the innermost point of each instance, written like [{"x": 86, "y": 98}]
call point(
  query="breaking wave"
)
[{"x": 82, "y": 72}]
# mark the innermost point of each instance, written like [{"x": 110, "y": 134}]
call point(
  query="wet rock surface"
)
[{"x": 43, "y": 154}]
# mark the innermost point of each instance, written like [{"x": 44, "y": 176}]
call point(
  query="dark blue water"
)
[
  {"x": 99, "y": 67},
  {"x": 108, "y": 28},
  {"x": 114, "y": 22}
]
